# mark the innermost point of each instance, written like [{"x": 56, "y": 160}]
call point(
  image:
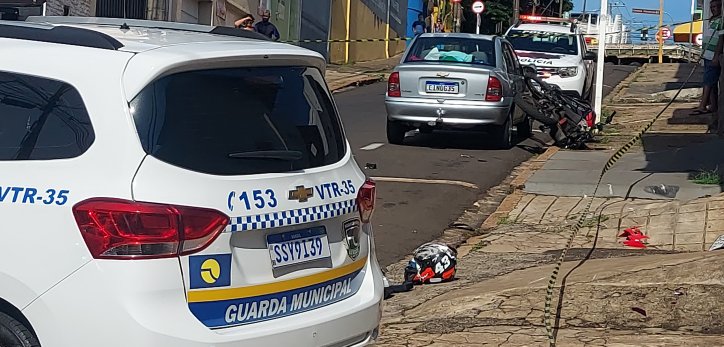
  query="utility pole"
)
[
  {"x": 560, "y": 9},
  {"x": 535, "y": 4},
  {"x": 600, "y": 62},
  {"x": 661, "y": 24},
  {"x": 516, "y": 10}
]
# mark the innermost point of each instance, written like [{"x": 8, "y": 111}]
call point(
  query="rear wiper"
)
[{"x": 277, "y": 155}]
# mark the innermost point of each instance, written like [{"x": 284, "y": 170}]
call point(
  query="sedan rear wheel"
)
[
  {"x": 503, "y": 134},
  {"x": 395, "y": 132}
]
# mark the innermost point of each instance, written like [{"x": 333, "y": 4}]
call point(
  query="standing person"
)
[
  {"x": 419, "y": 26},
  {"x": 438, "y": 26},
  {"x": 245, "y": 23},
  {"x": 266, "y": 28},
  {"x": 712, "y": 70}
]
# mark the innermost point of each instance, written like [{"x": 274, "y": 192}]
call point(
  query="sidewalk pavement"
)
[
  {"x": 340, "y": 77},
  {"x": 666, "y": 294}
]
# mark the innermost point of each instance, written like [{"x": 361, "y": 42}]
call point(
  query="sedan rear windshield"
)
[
  {"x": 452, "y": 50},
  {"x": 538, "y": 41},
  {"x": 240, "y": 121}
]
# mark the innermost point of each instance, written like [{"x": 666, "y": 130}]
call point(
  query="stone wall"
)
[{"x": 75, "y": 7}]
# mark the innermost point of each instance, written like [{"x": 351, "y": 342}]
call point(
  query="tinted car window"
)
[
  {"x": 452, "y": 50},
  {"x": 538, "y": 41},
  {"x": 240, "y": 121},
  {"x": 41, "y": 119}
]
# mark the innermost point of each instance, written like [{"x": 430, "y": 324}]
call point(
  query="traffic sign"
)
[
  {"x": 645, "y": 11},
  {"x": 665, "y": 33},
  {"x": 478, "y": 7}
]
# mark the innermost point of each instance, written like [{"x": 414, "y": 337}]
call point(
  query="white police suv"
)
[
  {"x": 164, "y": 184},
  {"x": 558, "y": 50}
]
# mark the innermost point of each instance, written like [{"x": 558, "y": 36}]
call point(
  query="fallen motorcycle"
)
[{"x": 568, "y": 119}]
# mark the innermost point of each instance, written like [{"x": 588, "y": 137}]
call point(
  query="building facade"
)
[{"x": 316, "y": 20}]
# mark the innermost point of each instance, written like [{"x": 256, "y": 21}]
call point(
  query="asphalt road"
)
[{"x": 412, "y": 213}]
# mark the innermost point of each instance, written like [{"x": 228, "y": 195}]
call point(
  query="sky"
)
[{"x": 675, "y": 11}]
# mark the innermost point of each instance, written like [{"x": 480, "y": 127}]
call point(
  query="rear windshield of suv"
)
[
  {"x": 240, "y": 121},
  {"x": 452, "y": 50},
  {"x": 538, "y": 41}
]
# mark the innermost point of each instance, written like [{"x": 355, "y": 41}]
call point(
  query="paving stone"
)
[
  {"x": 690, "y": 227},
  {"x": 536, "y": 209},
  {"x": 689, "y": 238},
  {"x": 694, "y": 207},
  {"x": 561, "y": 209},
  {"x": 689, "y": 247},
  {"x": 716, "y": 204},
  {"x": 717, "y": 214},
  {"x": 692, "y": 216},
  {"x": 661, "y": 238},
  {"x": 715, "y": 225},
  {"x": 516, "y": 214}
]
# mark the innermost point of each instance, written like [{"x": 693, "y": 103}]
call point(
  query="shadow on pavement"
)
[
  {"x": 697, "y": 155},
  {"x": 456, "y": 140}
]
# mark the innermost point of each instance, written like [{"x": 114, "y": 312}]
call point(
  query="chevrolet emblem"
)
[{"x": 301, "y": 194}]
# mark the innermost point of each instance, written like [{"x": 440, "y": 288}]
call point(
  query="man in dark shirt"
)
[
  {"x": 266, "y": 28},
  {"x": 419, "y": 26}
]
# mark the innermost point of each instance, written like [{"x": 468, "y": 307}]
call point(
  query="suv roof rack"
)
[
  {"x": 58, "y": 34},
  {"x": 150, "y": 24}
]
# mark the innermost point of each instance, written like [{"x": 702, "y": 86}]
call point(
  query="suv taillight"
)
[
  {"x": 366, "y": 200},
  {"x": 122, "y": 229},
  {"x": 393, "y": 85},
  {"x": 495, "y": 90}
]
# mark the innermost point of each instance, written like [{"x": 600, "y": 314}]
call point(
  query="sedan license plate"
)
[
  {"x": 298, "y": 246},
  {"x": 442, "y": 87}
]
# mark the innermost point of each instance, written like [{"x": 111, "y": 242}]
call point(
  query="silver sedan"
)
[{"x": 457, "y": 81}]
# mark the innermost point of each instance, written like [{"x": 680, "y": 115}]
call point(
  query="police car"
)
[
  {"x": 166, "y": 184},
  {"x": 557, "y": 48}
]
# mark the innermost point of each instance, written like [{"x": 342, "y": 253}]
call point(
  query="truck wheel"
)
[
  {"x": 15, "y": 334},
  {"x": 395, "y": 132}
]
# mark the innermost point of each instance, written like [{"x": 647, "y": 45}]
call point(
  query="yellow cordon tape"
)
[
  {"x": 396, "y": 39},
  {"x": 581, "y": 219}
]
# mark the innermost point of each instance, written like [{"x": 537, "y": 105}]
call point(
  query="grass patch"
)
[
  {"x": 480, "y": 245},
  {"x": 707, "y": 177},
  {"x": 506, "y": 220},
  {"x": 591, "y": 221}
]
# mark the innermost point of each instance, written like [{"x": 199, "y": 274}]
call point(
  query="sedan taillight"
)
[
  {"x": 393, "y": 85},
  {"x": 495, "y": 90}
]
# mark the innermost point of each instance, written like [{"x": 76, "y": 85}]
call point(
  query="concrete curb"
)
[{"x": 353, "y": 81}]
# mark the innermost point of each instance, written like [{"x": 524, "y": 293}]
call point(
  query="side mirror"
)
[
  {"x": 590, "y": 56},
  {"x": 529, "y": 71}
]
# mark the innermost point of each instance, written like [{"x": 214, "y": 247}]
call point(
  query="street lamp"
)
[{"x": 600, "y": 62}]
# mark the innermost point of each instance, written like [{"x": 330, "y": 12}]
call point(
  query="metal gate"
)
[
  {"x": 131, "y": 9},
  {"x": 315, "y": 24}
]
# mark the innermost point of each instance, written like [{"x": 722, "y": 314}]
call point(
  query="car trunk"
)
[
  {"x": 265, "y": 147},
  {"x": 443, "y": 81}
]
